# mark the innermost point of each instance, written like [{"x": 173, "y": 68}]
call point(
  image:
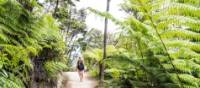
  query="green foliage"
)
[
  {"x": 161, "y": 38},
  {"x": 53, "y": 68},
  {"x": 25, "y": 35},
  {"x": 8, "y": 80}
]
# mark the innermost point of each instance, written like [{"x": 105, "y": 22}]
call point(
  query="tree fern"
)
[
  {"x": 183, "y": 31},
  {"x": 25, "y": 36},
  {"x": 173, "y": 54}
]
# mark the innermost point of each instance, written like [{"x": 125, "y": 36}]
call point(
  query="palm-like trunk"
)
[
  {"x": 101, "y": 66},
  {"x": 56, "y": 7}
]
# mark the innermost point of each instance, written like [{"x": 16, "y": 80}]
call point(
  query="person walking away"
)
[{"x": 80, "y": 68}]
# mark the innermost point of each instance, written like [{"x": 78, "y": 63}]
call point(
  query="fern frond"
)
[{"x": 180, "y": 33}]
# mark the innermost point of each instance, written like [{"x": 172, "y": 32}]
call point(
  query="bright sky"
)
[{"x": 94, "y": 21}]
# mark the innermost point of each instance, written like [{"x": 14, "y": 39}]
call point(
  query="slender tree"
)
[{"x": 101, "y": 66}]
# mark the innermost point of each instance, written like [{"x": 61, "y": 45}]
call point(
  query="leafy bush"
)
[
  {"x": 8, "y": 80},
  {"x": 53, "y": 68},
  {"x": 25, "y": 36},
  {"x": 161, "y": 38}
]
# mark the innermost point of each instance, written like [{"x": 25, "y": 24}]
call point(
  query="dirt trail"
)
[{"x": 71, "y": 80}]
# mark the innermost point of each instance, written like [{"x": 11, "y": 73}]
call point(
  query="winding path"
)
[{"x": 71, "y": 80}]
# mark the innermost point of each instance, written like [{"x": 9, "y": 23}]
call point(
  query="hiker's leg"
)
[{"x": 81, "y": 75}]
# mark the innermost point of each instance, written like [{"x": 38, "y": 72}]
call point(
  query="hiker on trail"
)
[{"x": 80, "y": 68}]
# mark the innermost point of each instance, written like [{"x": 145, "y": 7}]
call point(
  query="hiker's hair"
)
[{"x": 79, "y": 61}]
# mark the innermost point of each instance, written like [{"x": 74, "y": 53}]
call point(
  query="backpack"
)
[{"x": 81, "y": 67}]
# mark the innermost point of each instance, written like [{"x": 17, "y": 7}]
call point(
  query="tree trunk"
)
[
  {"x": 56, "y": 7},
  {"x": 26, "y": 5},
  {"x": 101, "y": 64}
]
